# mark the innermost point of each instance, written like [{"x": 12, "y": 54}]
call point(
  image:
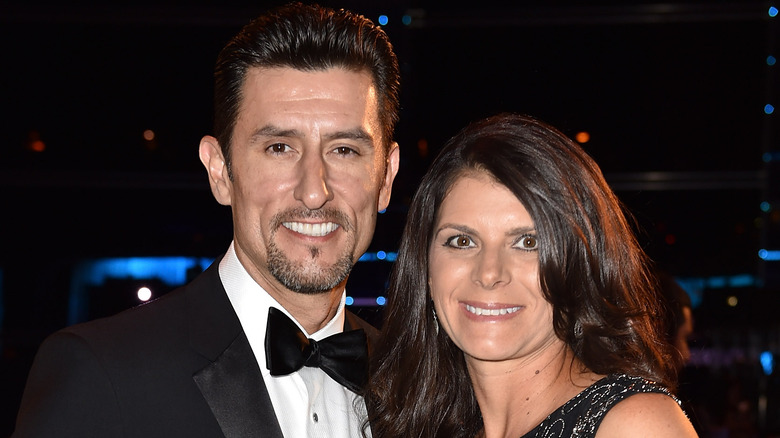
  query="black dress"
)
[{"x": 580, "y": 417}]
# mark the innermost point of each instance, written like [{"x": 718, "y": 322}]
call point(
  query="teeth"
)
[
  {"x": 491, "y": 312},
  {"x": 313, "y": 230}
]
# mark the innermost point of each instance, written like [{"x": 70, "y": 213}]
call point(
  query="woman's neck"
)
[{"x": 515, "y": 396}]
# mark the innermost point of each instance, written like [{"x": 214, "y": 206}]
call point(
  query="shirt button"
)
[{"x": 315, "y": 417}]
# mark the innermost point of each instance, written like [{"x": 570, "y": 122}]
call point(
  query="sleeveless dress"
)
[{"x": 580, "y": 417}]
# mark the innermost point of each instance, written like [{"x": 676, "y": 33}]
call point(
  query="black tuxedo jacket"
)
[{"x": 180, "y": 366}]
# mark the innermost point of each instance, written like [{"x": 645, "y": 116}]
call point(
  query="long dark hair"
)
[
  {"x": 591, "y": 270},
  {"x": 306, "y": 38}
]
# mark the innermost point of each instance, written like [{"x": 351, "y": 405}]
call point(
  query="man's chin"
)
[
  {"x": 310, "y": 286},
  {"x": 311, "y": 280},
  {"x": 310, "y": 291},
  {"x": 311, "y": 272}
]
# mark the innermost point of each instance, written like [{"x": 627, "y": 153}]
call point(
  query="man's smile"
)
[{"x": 312, "y": 230}]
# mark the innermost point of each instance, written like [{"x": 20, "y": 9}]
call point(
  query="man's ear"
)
[
  {"x": 393, "y": 158},
  {"x": 211, "y": 156}
]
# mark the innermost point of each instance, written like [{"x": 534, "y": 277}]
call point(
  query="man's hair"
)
[{"x": 306, "y": 38}]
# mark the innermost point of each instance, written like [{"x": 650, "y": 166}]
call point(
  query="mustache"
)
[{"x": 320, "y": 215}]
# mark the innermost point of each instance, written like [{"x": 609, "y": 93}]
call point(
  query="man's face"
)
[{"x": 309, "y": 174}]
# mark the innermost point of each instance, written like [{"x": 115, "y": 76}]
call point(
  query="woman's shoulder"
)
[
  {"x": 583, "y": 414},
  {"x": 643, "y": 409}
]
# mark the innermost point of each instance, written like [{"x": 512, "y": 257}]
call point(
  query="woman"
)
[{"x": 536, "y": 314}]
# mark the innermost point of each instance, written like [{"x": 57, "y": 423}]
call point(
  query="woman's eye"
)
[
  {"x": 278, "y": 148},
  {"x": 528, "y": 243},
  {"x": 460, "y": 242}
]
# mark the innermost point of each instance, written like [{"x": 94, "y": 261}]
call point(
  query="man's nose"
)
[{"x": 312, "y": 188}]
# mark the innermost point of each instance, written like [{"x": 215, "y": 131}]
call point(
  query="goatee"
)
[{"x": 309, "y": 276}]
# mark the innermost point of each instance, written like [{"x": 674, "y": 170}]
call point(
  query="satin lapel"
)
[
  {"x": 236, "y": 393},
  {"x": 232, "y": 383},
  {"x": 354, "y": 322}
]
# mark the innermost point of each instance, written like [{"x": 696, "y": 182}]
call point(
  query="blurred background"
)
[{"x": 105, "y": 203}]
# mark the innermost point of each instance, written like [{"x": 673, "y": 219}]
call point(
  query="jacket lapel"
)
[
  {"x": 232, "y": 383},
  {"x": 354, "y": 322},
  {"x": 236, "y": 393}
]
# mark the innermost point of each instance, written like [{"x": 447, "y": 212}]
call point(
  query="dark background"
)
[{"x": 672, "y": 95}]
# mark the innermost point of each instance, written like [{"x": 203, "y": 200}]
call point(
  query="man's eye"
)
[
  {"x": 345, "y": 150},
  {"x": 460, "y": 242},
  {"x": 528, "y": 243},
  {"x": 278, "y": 148}
]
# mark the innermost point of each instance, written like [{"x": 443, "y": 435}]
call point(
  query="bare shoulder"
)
[{"x": 646, "y": 415}]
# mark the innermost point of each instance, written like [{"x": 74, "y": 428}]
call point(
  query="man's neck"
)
[{"x": 312, "y": 311}]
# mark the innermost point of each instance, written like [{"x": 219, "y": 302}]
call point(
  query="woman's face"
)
[{"x": 484, "y": 273}]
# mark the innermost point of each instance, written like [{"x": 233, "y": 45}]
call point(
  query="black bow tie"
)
[{"x": 342, "y": 356}]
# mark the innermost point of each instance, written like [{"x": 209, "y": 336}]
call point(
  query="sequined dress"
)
[{"x": 580, "y": 417}]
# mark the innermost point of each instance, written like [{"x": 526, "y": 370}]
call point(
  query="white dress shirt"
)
[{"x": 308, "y": 403}]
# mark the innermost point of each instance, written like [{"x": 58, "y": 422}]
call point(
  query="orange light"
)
[
  {"x": 38, "y": 146},
  {"x": 34, "y": 142},
  {"x": 148, "y": 135},
  {"x": 582, "y": 137},
  {"x": 422, "y": 147}
]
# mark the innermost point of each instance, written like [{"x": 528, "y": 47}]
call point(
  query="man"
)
[{"x": 306, "y": 100}]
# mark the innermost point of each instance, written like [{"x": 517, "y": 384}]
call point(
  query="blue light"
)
[
  {"x": 383, "y": 20},
  {"x": 170, "y": 270},
  {"x": 765, "y": 207},
  {"x": 771, "y": 156},
  {"x": 744, "y": 280},
  {"x": 694, "y": 288},
  {"x": 767, "y": 362},
  {"x": 406, "y": 19},
  {"x": 383, "y": 211},
  {"x": 772, "y": 11},
  {"x": 770, "y": 256},
  {"x": 771, "y": 60},
  {"x": 769, "y": 109},
  {"x": 716, "y": 282},
  {"x": 381, "y": 301},
  {"x": 349, "y": 301},
  {"x": 378, "y": 256}
]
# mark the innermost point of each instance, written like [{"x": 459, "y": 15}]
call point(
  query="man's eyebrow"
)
[
  {"x": 358, "y": 134},
  {"x": 274, "y": 131}
]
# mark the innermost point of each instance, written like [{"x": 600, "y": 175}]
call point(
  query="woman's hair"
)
[{"x": 591, "y": 269}]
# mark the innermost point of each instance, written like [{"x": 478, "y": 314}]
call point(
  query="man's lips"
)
[{"x": 312, "y": 230}]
